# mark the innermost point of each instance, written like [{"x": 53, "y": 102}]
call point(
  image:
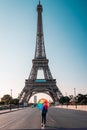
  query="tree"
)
[
  {"x": 6, "y": 99},
  {"x": 64, "y": 100},
  {"x": 67, "y": 99},
  {"x": 1, "y": 103},
  {"x": 15, "y": 101},
  {"x": 82, "y": 99}
]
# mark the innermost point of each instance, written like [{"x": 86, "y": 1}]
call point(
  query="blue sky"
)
[{"x": 65, "y": 36}]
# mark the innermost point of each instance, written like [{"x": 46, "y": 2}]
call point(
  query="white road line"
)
[{"x": 52, "y": 119}]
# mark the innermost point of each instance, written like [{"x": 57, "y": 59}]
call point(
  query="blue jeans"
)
[{"x": 44, "y": 118}]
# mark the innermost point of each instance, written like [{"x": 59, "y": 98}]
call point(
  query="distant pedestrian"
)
[{"x": 44, "y": 113}]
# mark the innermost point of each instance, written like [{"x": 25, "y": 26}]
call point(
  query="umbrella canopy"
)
[{"x": 42, "y": 103}]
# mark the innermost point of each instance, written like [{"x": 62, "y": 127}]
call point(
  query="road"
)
[{"x": 30, "y": 118}]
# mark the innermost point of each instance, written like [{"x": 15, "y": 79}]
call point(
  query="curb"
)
[{"x": 3, "y": 112}]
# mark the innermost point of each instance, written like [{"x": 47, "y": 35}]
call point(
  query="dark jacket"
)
[{"x": 44, "y": 110}]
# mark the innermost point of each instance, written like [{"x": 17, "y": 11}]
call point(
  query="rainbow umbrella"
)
[{"x": 42, "y": 103}]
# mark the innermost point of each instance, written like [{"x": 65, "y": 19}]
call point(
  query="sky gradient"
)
[{"x": 65, "y": 36}]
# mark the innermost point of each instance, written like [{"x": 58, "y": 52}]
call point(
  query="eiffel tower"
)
[{"x": 40, "y": 62}]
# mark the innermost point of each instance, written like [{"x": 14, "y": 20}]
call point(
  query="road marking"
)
[{"x": 52, "y": 119}]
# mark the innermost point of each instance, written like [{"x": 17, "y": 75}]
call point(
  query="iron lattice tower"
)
[{"x": 40, "y": 62}]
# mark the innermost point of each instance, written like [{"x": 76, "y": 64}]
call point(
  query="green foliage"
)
[
  {"x": 6, "y": 99},
  {"x": 1, "y": 103},
  {"x": 82, "y": 99},
  {"x": 64, "y": 100},
  {"x": 15, "y": 101}
]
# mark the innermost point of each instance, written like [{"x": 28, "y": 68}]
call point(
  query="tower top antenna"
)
[{"x": 39, "y": 2}]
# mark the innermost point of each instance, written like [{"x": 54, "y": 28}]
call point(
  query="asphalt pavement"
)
[{"x": 30, "y": 118}]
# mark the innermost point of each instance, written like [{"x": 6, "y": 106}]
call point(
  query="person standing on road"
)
[{"x": 44, "y": 113}]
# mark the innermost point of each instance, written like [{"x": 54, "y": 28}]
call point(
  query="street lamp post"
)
[
  {"x": 18, "y": 102},
  {"x": 74, "y": 92},
  {"x": 10, "y": 99},
  {"x": 75, "y": 97},
  {"x": 11, "y": 93},
  {"x": 65, "y": 93}
]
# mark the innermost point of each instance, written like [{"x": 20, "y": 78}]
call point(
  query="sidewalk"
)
[
  {"x": 73, "y": 107},
  {"x": 8, "y": 110}
]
